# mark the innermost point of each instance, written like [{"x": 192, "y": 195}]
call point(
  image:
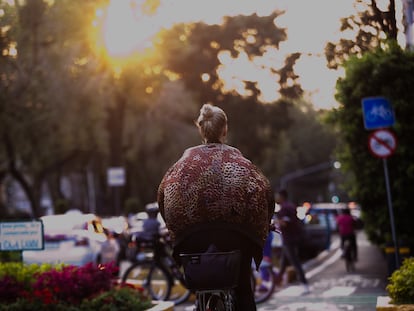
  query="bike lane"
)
[{"x": 332, "y": 288}]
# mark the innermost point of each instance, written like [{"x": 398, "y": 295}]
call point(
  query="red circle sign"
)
[{"x": 382, "y": 143}]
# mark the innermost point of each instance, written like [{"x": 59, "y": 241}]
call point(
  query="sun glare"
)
[{"x": 126, "y": 30}]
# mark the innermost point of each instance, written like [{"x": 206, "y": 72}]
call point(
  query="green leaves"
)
[
  {"x": 401, "y": 283},
  {"x": 383, "y": 72}
]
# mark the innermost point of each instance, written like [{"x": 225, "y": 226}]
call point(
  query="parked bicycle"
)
[{"x": 154, "y": 268}]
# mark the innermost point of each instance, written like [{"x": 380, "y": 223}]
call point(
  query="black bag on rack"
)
[{"x": 212, "y": 269}]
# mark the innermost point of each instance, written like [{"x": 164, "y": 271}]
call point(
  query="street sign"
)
[
  {"x": 21, "y": 235},
  {"x": 382, "y": 143},
  {"x": 116, "y": 176},
  {"x": 377, "y": 112}
]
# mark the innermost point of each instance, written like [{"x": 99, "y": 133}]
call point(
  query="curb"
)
[
  {"x": 162, "y": 306},
  {"x": 383, "y": 304}
]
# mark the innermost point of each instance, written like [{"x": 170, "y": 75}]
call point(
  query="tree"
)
[
  {"x": 48, "y": 71},
  {"x": 309, "y": 141},
  {"x": 65, "y": 112},
  {"x": 370, "y": 26},
  {"x": 370, "y": 61},
  {"x": 194, "y": 52},
  {"x": 383, "y": 72}
]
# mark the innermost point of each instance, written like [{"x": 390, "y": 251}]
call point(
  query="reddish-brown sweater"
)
[{"x": 215, "y": 183}]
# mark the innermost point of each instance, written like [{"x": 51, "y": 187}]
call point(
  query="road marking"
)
[
  {"x": 301, "y": 306},
  {"x": 324, "y": 265},
  {"x": 338, "y": 291},
  {"x": 290, "y": 291}
]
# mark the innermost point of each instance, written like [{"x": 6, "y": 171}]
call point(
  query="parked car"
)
[
  {"x": 73, "y": 238},
  {"x": 316, "y": 239}
]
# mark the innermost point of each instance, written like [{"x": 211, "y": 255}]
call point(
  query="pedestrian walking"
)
[{"x": 292, "y": 233}]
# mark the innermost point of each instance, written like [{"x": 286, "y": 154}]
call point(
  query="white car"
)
[{"x": 73, "y": 239}]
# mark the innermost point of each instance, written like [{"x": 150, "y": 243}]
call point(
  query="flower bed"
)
[{"x": 67, "y": 288}]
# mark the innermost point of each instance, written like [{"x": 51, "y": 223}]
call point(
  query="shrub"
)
[
  {"x": 80, "y": 283},
  {"x": 119, "y": 299},
  {"x": 16, "y": 278},
  {"x": 66, "y": 288},
  {"x": 401, "y": 283}
]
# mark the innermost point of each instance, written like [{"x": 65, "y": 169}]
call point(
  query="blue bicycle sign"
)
[{"x": 377, "y": 112}]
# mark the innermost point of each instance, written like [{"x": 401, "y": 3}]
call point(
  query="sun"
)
[{"x": 125, "y": 29}]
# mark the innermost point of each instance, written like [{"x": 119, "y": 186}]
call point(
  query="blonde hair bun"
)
[{"x": 211, "y": 122}]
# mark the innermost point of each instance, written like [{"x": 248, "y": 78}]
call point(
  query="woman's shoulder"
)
[
  {"x": 236, "y": 153},
  {"x": 190, "y": 150}
]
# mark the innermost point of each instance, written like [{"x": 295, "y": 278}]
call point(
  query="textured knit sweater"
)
[{"x": 215, "y": 183}]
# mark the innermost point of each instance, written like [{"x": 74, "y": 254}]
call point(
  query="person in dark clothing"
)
[
  {"x": 346, "y": 228},
  {"x": 292, "y": 233},
  {"x": 151, "y": 225}
]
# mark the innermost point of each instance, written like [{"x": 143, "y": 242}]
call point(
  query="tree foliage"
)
[
  {"x": 193, "y": 52},
  {"x": 66, "y": 114},
  {"x": 38, "y": 91},
  {"x": 368, "y": 28},
  {"x": 383, "y": 72}
]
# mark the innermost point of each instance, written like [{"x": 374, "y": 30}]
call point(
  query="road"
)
[{"x": 332, "y": 288}]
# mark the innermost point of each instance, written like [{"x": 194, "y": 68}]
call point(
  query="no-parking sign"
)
[{"x": 382, "y": 143}]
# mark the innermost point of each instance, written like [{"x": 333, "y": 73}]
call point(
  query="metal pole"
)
[
  {"x": 117, "y": 198},
  {"x": 91, "y": 191},
  {"x": 394, "y": 235},
  {"x": 408, "y": 14},
  {"x": 304, "y": 172}
]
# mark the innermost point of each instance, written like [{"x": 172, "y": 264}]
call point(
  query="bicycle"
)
[
  {"x": 154, "y": 268},
  {"x": 264, "y": 280},
  {"x": 263, "y": 288},
  {"x": 349, "y": 256}
]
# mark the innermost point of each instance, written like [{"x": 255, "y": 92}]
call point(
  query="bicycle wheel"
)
[
  {"x": 150, "y": 276},
  {"x": 263, "y": 282},
  {"x": 349, "y": 257},
  {"x": 179, "y": 292},
  {"x": 216, "y": 302}
]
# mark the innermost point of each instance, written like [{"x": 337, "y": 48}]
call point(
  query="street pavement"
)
[{"x": 332, "y": 288}]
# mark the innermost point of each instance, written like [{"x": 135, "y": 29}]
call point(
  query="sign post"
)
[
  {"x": 382, "y": 144},
  {"x": 116, "y": 179},
  {"x": 21, "y": 235},
  {"x": 378, "y": 114}
]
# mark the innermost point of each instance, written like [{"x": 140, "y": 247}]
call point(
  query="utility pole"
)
[{"x": 408, "y": 9}]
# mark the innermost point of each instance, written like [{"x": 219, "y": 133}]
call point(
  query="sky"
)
[{"x": 310, "y": 24}]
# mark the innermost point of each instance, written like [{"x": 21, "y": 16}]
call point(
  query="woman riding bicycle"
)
[{"x": 214, "y": 195}]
